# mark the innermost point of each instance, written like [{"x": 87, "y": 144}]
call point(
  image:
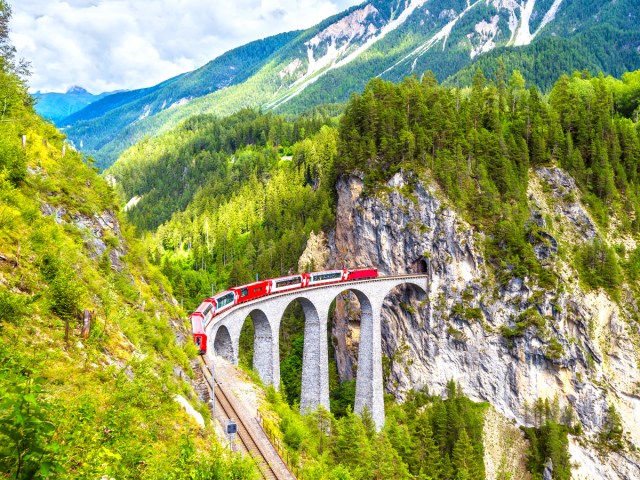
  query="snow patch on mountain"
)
[
  {"x": 549, "y": 16},
  {"x": 182, "y": 101},
  {"x": 523, "y": 35},
  {"x": 145, "y": 113},
  {"x": 290, "y": 69},
  {"x": 511, "y": 7},
  {"x": 340, "y": 36},
  {"x": 484, "y": 36},
  {"x": 443, "y": 34},
  {"x": 389, "y": 27},
  {"x": 347, "y": 28}
]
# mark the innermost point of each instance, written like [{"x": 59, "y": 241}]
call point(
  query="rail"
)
[{"x": 249, "y": 442}]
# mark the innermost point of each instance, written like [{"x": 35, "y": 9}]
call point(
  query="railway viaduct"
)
[{"x": 224, "y": 336}]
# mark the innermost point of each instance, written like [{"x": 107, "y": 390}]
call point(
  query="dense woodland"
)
[
  {"x": 268, "y": 181},
  {"x": 424, "y": 438},
  {"x": 479, "y": 144}
]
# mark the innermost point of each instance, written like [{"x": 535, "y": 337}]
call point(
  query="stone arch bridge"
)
[{"x": 224, "y": 336}]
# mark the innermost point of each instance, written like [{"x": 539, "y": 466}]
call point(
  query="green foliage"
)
[
  {"x": 548, "y": 438},
  {"x": 13, "y": 307},
  {"x": 27, "y": 445},
  {"x": 549, "y": 441},
  {"x": 343, "y": 397},
  {"x": 426, "y": 437},
  {"x": 612, "y": 435},
  {"x": 480, "y": 142},
  {"x": 598, "y": 266},
  {"x": 247, "y": 211},
  {"x": 102, "y": 404}
]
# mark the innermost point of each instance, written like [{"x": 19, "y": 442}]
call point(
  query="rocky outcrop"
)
[
  {"x": 101, "y": 232},
  {"x": 315, "y": 255},
  {"x": 576, "y": 346}
]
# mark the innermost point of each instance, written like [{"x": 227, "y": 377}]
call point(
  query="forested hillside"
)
[
  {"x": 388, "y": 39},
  {"x": 89, "y": 363},
  {"x": 480, "y": 143}
]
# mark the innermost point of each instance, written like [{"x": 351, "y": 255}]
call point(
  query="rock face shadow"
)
[{"x": 223, "y": 346}]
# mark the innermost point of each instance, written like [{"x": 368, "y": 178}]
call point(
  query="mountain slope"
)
[
  {"x": 392, "y": 39},
  {"x": 57, "y": 106},
  {"x": 522, "y": 209},
  {"x": 91, "y": 372},
  {"x": 97, "y": 125}
]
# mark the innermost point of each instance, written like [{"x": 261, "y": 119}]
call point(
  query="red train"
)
[{"x": 211, "y": 307}]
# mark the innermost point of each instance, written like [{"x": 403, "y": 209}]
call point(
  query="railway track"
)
[{"x": 247, "y": 440}]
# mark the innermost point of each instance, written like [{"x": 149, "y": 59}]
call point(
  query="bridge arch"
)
[
  {"x": 264, "y": 346},
  {"x": 314, "y": 385},
  {"x": 223, "y": 346},
  {"x": 369, "y": 381}
]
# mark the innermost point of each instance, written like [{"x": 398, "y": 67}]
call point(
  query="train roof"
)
[
  {"x": 249, "y": 284},
  {"x": 221, "y": 294},
  {"x": 289, "y": 276},
  {"x": 200, "y": 307}
]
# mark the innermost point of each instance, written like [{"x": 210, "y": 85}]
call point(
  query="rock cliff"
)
[{"x": 583, "y": 351}]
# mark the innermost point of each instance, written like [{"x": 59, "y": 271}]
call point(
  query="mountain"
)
[
  {"x": 57, "y": 106},
  {"x": 97, "y": 126},
  {"x": 378, "y": 38}
]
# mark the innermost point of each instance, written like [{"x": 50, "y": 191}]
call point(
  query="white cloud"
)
[{"x": 106, "y": 45}]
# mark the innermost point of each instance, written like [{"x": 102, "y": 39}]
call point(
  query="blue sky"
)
[{"x": 105, "y": 45}]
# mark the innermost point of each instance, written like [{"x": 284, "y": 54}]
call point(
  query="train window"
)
[
  {"x": 244, "y": 292},
  {"x": 224, "y": 300},
  {"x": 207, "y": 310},
  {"x": 198, "y": 341},
  {"x": 325, "y": 276},
  {"x": 288, "y": 281}
]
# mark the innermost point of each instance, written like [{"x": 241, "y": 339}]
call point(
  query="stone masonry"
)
[{"x": 224, "y": 337}]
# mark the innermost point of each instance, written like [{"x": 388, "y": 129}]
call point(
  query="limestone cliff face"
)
[{"x": 586, "y": 354}]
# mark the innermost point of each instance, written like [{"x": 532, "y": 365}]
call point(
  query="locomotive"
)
[{"x": 217, "y": 304}]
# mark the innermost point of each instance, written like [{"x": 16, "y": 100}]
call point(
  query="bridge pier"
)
[
  {"x": 369, "y": 388},
  {"x": 266, "y": 358},
  {"x": 314, "y": 389}
]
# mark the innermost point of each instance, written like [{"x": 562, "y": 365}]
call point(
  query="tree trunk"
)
[{"x": 87, "y": 316}]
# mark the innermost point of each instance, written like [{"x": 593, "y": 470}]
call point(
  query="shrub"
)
[{"x": 12, "y": 307}]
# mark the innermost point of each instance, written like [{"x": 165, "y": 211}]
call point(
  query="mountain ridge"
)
[{"x": 389, "y": 39}]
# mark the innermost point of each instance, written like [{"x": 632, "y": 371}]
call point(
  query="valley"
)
[{"x": 483, "y": 158}]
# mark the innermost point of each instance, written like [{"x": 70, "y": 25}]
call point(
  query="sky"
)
[{"x": 107, "y": 45}]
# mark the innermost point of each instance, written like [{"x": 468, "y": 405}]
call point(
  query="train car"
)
[
  {"x": 364, "y": 274},
  {"x": 283, "y": 284},
  {"x": 199, "y": 336},
  {"x": 224, "y": 301},
  {"x": 245, "y": 293},
  {"x": 211, "y": 307},
  {"x": 206, "y": 311},
  {"x": 326, "y": 277}
]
